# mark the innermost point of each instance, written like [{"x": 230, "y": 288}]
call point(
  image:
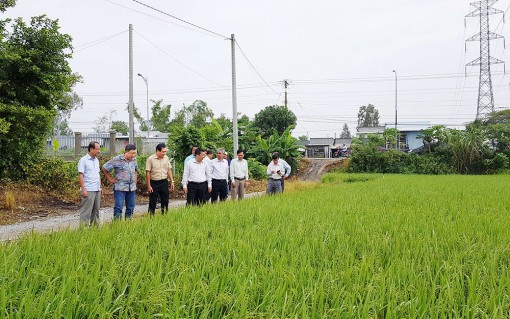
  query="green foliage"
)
[
  {"x": 256, "y": 170},
  {"x": 4, "y": 4},
  {"x": 496, "y": 164},
  {"x": 120, "y": 126},
  {"x": 183, "y": 140},
  {"x": 368, "y": 116},
  {"x": 53, "y": 174},
  {"x": 345, "y": 132},
  {"x": 391, "y": 135},
  {"x": 34, "y": 67},
  {"x": 284, "y": 144},
  {"x": 275, "y": 118},
  {"x": 4, "y": 126},
  {"x": 160, "y": 118},
  {"x": 23, "y": 144}
]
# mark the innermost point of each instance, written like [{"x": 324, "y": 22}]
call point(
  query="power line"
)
[
  {"x": 176, "y": 60},
  {"x": 251, "y": 64},
  {"x": 179, "y": 19},
  {"x": 99, "y": 41}
]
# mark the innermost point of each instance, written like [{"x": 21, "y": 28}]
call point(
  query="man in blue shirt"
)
[
  {"x": 192, "y": 156},
  {"x": 124, "y": 183},
  {"x": 90, "y": 185}
]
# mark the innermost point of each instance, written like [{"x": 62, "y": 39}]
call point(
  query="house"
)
[
  {"x": 409, "y": 133},
  {"x": 323, "y": 147}
]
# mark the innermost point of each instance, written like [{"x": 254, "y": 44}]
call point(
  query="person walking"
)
[
  {"x": 192, "y": 155},
  {"x": 90, "y": 185},
  {"x": 275, "y": 174},
  {"x": 219, "y": 176},
  {"x": 124, "y": 183},
  {"x": 196, "y": 179},
  {"x": 238, "y": 175},
  {"x": 158, "y": 170},
  {"x": 286, "y": 169}
]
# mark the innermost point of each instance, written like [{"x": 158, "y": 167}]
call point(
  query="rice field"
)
[{"x": 355, "y": 246}]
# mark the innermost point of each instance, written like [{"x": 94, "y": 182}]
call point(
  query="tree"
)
[
  {"x": 196, "y": 114},
  {"x": 345, "y": 132},
  {"x": 61, "y": 126},
  {"x": 368, "y": 116},
  {"x": 284, "y": 144},
  {"x": 304, "y": 138},
  {"x": 34, "y": 67},
  {"x": 4, "y": 4},
  {"x": 183, "y": 141},
  {"x": 104, "y": 122},
  {"x": 160, "y": 118},
  {"x": 391, "y": 135},
  {"x": 120, "y": 127},
  {"x": 275, "y": 118}
]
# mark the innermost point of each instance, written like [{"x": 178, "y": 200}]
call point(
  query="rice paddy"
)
[{"x": 355, "y": 246}]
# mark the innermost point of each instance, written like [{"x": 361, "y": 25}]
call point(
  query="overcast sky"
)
[{"x": 336, "y": 55}]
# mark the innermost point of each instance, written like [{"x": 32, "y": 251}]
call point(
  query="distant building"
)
[
  {"x": 409, "y": 133},
  {"x": 323, "y": 147}
]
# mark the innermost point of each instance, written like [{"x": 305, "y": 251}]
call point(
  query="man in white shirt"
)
[
  {"x": 196, "y": 179},
  {"x": 275, "y": 174},
  {"x": 219, "y": 176},
  {"x": 286, "y": 170},
  {"x": 90, "y": 184},
  {"x": 238, "y": 175}
]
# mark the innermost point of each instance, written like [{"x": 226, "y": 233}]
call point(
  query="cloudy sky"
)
[{"x": 336, "y": 55}]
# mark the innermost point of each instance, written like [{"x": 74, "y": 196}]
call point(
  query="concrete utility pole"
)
[
  {"x": 131, "y": 106},
  {"x": 286, "y": 85},
  {"x": 484, "y": 9},
  {"x": 396, "y": 118},
  {"x": 234, "y": 95}
]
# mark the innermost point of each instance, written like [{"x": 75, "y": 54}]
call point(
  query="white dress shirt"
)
[
  {"x": 219, "y": 169},
  {"x": 238, "y": 169},
  {"x": 197, "y": 172},
  {"x": 274, "y": 167}
]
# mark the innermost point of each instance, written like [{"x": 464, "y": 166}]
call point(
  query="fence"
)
[{"x": 72, "y": 146}]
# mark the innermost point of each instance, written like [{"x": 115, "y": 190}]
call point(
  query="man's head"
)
[
  {"x": 277, "y": 154},
  {"x": 129, "y": 152},
  {"x": 161, "y": 150},
  {"x": 240, "y": 154},
  {"x": 209, "y": 154},
  {"x": 193, "y": 149},
  {"x": 199, "y": 154},
  {"x": 94, "y": 149},
  {"x": 220, "y": 154},
  {"x": 274, "y": 157}
]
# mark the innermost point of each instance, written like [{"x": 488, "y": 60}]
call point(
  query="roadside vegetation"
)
[{"x": 355, "y": 246}]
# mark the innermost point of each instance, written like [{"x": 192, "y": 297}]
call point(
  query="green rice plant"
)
[{"x": 387, "y": 247}]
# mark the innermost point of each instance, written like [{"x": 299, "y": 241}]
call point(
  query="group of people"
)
[{"x": 204, "y": 178}]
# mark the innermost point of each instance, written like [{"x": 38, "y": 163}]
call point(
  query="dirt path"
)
[
  {"x": 71, "y": 220},
  {"x": 317, "y": 167}
]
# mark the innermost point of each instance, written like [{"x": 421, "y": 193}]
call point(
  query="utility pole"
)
[
  {"x": 131, "y": 122},
  {"x": 483, "y": 9},
  {"x": 396, "y": 117},
  {"x": 286, "y": 85},
  {"x": 234, "y": 95}
]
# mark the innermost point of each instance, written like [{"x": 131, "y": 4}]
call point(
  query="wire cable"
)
[
  {"x": 251, "y": 64},
  {"x": 179, "y": 19},
  {"x": 99, "y": 41}
]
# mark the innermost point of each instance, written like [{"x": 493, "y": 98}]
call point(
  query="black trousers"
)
[
  {"x": 197, "y": 193},
  {"x": 159, "y": 189},
  {"x": 219, "y": 188},
  {"x": 282, "y": 181}
]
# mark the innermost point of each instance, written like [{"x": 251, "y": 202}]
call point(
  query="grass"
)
[{"x": 362, "y": 246}]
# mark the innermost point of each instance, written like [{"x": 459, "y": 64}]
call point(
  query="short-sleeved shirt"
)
[
  {"x": 158, "y": 167},
  {"x": 89, "y": 167},
  {"x": 125, "y": 173}
]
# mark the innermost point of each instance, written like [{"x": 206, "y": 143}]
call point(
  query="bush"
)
[
  {"x": 53, "y": 174},
  {"x": 23, "y": 143},
  {"x": 496, "y": 164},
  {"x": 256, "y": 170}
]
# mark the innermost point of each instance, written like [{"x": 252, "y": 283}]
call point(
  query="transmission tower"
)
[{"x": 483, "y": 9}]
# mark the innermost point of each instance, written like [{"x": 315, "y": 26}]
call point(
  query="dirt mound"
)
[{"x": 313, "y": 169}]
